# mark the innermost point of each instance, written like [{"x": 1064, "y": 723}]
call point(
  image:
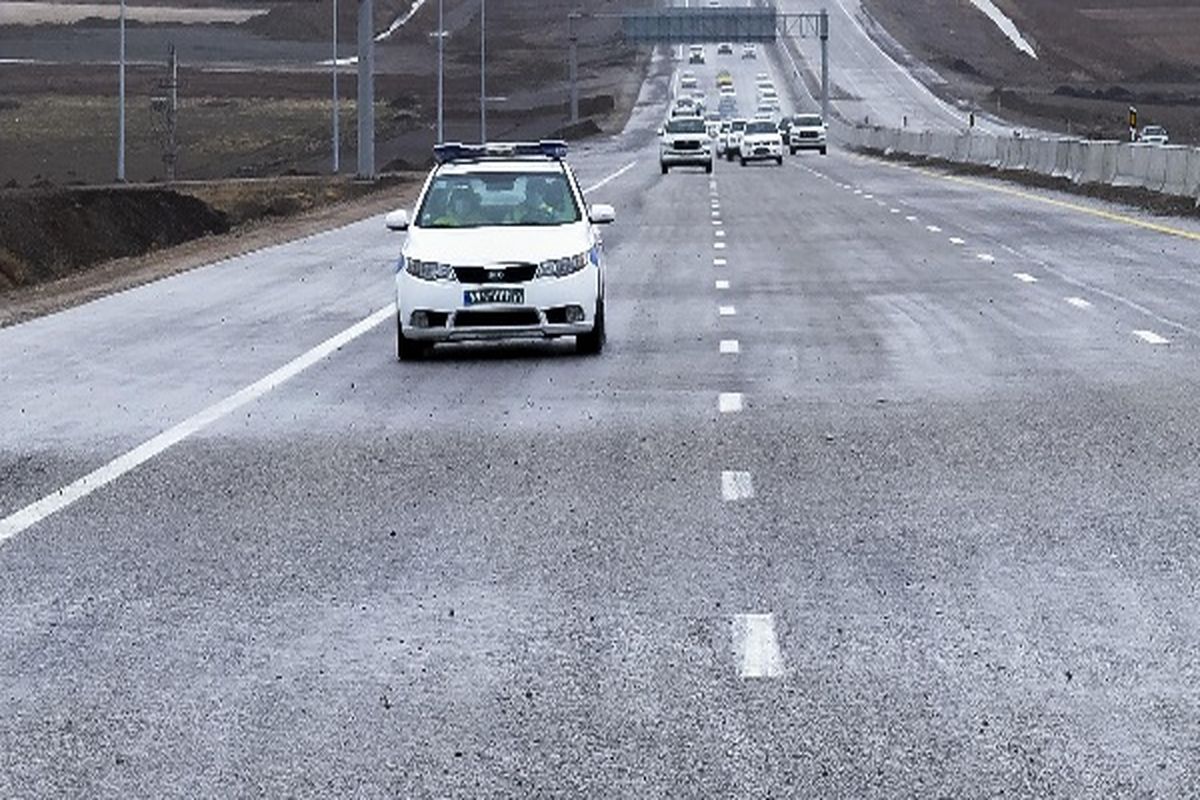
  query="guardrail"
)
[{"x": 1168, "y": 169}]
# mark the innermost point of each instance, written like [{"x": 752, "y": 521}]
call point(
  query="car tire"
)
[
  {"x": 779, "y": 161},
  {"x": 665, "y": 169},
  {"x": 408, "y": 349},
  {"x": 743, "y": 162},
  {"x": 708, "y": 168},
  {"x": 822, "y": 151},
  {"x": 592, "y": 342},
  {"x": 792, "y": 150}
]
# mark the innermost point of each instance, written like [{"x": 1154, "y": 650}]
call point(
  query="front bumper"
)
[
  {"x": 434, "y": 311},
  {"x": 674, "y": 157},
  {"x": 806, "y": 143},
  {"x": 755, "y": 152}
]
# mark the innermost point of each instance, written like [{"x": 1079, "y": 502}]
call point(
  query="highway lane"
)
[{"x": 948, "y": 520}]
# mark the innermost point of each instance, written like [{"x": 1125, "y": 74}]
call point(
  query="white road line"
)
[
  {"x": 716, "y": 214},
  {"x": 1079, "y": 302},
  {"x": 868, "y": 197},
  {"x": 858, "y": 191},
  {"x": 720, "y": 234},
  {"x": 988, "y": 257},
  {"x": 736, "y": 486},
  {"x": 719, "y": 262},
  {"x": 727, "y": 311},
  {"x": 610, "y": 178},
  {"x": 1151, "y": 337},
  {"x": 910, "y": 218},
  {"x": 933, "y": 229},
  {"x": 730, "y": 347},
  {"x": 729, "y": 402},
  {"x": 717, "y": 223},
  {"x": 35, "y": 512},
  {"x": 1024, "y": 277},
  {"x": 756, "y": 646},
  {"x": 956, "y": 240},
  {"x": 894, "y": 210},
  {"x": 722, "y": 284},
  {"x": 718, "y": 245}
]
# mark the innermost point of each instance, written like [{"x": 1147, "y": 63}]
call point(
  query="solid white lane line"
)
[
  {"x": 757, "y": 646},
  {"x": 933, "y": 229},
  {"x": 729, "y": 402},
  {"x": 718, "y": 245},
  {"x": 1079, "y": 302},
  {"x": 1024, "y": 277},
  {"x": 956, "y": 240},
  {"x": 1150, "y": 337},
  {"x": 736, "y": 486},
  {"x": 730, "y": 347},
  {"x": 612, "y": 177},
  {"x": 722, "y": 284},
  {"x": 719, "y": 262},
  {"x": 988, "y": 257},
  {"x": 35, "y": 512},
  {"x": 727, "y": 311}
]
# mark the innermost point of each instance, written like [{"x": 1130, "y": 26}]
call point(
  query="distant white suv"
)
[
  {"x": 733, "y": 139},
  {"x": 807, "y": 132},
  {"x": 685, "y": 142},
  {"x": 1154, "y": 134},
  {"x": 761, "y": 142},
  {"x": 501, "y": 245}
]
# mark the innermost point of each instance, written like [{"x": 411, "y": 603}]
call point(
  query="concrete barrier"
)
[
  {"x": 1076, "y": 155},
  {"x": 1155, "y": 173},
  {"x": 960, "y": 148},
  {"x": 1193, "y": 172},
  {"x": 1062, "y": 154},
  {"x": 1175, "y": 179},
  {"x": 1095, "y": 154},
  {"x": 1128, "y": 158},
  {"x": 981, "y": 150}
]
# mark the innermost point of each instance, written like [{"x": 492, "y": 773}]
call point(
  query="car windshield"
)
[
  {"x": 498, "y": 198},
  {"x": 688, "y": 125},
  {"x": 1154, "y": 131},
  {"x": 739, "y": 125},
  {"x": 808, "y": 121},
  {"x": 761, "y": 127}
]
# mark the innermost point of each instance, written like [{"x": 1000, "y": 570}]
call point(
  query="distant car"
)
[
  {"x": 1154, "y": 134},
  {"x": 749, "y": 50},
  {"x": 725, "y": 49},
  {"x": 684, "y": 142},
  {"x": 733, "y": 140},
  {"x": 688, "y": 82},
  {"x": 714, "y": 3},
  {"x": 762, "y": 76},
  {"x": 502, "y": 245},
  {"x": 722, "y": 138},
  {"x": 712, "y": 124},
  {"x": 727, "y": 108},
  {"x": 724, "y": 78},
  {"x": 727, "y": 91},
  {"x": 761, "y": 142},
  {"x": 696, "y": 54},
  {"x": 806, "y": 132}
]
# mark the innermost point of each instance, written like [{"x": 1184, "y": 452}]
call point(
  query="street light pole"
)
[
  {"x": 121, "y": 104},
  {"x": 337, "y": 144},
  {"x": 441, "y": 80},
  {"x": 482, "y": 71}
]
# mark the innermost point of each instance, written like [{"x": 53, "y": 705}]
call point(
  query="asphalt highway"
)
[{"x": 885, "y": 486}]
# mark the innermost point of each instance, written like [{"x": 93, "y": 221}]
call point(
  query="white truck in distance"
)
[
  {"x": 807, "y": 132},
  {"x": 684, "y": 141}
]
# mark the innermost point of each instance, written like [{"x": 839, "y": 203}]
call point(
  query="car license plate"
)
[
  {"x": 760, "y": 151},
  {"x": 475, "y": 297}
]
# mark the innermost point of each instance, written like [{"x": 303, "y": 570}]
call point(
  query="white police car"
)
[{"x": 501, "y": 245}]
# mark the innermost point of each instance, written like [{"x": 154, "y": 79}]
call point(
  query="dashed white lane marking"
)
[
  {"x": 933, "y": 229},
  {"x": 720, "y": 234},
  {"x": 956, "y": 240},
  {"x": 858, "y": 191},
  {"x": 729, "y": 402},
  {"x": 1079, "y": 302},
  {"x": 15, "y": 523},
  {"x": 722, "y": 284},
  {"x": 717, "y": 223},
  {"x": 868, "y": 197},
  {"x": 730, "y": 347},
  {"x": 719, "y": 262},
  {"x": 757, "y": 646},
  {"x": 1024, "y": 277},
  {"x": 987, "y": 257},
  {"x": 894, "y": 210},
  {"x": 1150, "y": 337},
  {"x": 716, "y": 214},
  {"x": 727, "y": 311},
  {"x": 910, "y": 218},
  {"x": 718, "y": 245},
  {"x": 736, "y": 486}
]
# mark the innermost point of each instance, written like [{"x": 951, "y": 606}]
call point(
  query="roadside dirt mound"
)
[{"x": 47, "y": 234}]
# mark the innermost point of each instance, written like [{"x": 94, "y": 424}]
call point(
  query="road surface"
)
[{"x": 884, "y": 486}]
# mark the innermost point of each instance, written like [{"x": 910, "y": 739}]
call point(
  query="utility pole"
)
[
  {"x": 337, "y": 136},
  {"x": 121, "y": 103},
  {"x": 824, "y": 32},
  {"x": 366, "y": 90},
  {"x": 441, "y": 34},
  {"x": 171, "y": 156},
  {"x": 482, "y": 71},
  {"x": 573, "y": 69}
]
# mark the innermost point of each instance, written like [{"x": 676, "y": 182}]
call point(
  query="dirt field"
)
[{"x": 1096, "y": 58}]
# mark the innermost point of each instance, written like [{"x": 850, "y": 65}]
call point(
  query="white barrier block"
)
[{"x": 1175, "y": 178}]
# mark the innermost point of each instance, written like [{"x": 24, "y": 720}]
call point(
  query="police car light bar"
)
[{"x": 450, "y": 152}]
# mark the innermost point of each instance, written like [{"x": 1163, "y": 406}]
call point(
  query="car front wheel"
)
[
  {"x": 408, "y": 349},
  {"x": 592, "y": 342},
  {"x": 665, "y": 169}
]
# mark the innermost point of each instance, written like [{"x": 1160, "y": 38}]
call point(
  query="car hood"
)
[
  {"x": 761, "y": 137},
  {"x": 497, "y": 245}
]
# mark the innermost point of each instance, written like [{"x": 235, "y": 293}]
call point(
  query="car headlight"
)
[
  {"x": 428, "y": 270},
  {"x": 561, "y": 267}
]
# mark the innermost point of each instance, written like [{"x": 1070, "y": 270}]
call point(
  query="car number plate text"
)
[{"x": 475, "y": 297}]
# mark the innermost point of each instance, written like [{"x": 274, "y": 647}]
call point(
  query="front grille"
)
[
  {"x": 514, "y": 273},
  {"x": 686, "y": 145},
  {"x": 521, "y": 317},
  {"x": 806, "y": 134}
]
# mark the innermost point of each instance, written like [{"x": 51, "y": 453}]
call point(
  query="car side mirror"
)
[
  {"x": 397, "y": 220},
  {"x": 661, "y": 131},
  {"x": 602, "y": 214}
]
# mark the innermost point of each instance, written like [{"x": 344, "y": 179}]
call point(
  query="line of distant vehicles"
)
[{"x": 693, "y": 135}]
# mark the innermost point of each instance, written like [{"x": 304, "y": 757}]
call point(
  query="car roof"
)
[{"x": 532, "y": 165}]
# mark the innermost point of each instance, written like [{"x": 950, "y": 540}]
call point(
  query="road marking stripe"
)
[
  {"x": 736, "y": 486},
  {"x": 727, "y": 311},
  {"x": 757, "y": 646},
  {"x": 858, "y": 191},
  {"x": 933, "y": 229},
  {"x": 717, "y": 223},
  {"x": 910, "y": 218},
  {"x": 730, "y": 347},
  {"x": 716, "y": 214},
  {"x": 35, "y": 512},
  {"x": 722, "y": 284},
  {"x": 729, "y": 402},
  {"x": 956, "y": 240},
  {"x": 1151, "y": 337},
  {"x": 719, "y": 262},
  {"x": 988, "y": 257},
  {"x": 720, "y": 234},
  {"x": 718, "y": 245},
  {"x": 1079, "y": 302},
  {"x": 610, "y": 178},
  {"x": 868, "y": 197},
  {"x": 894, "y": 210},
  {"x": 1025, "y": 277}
]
